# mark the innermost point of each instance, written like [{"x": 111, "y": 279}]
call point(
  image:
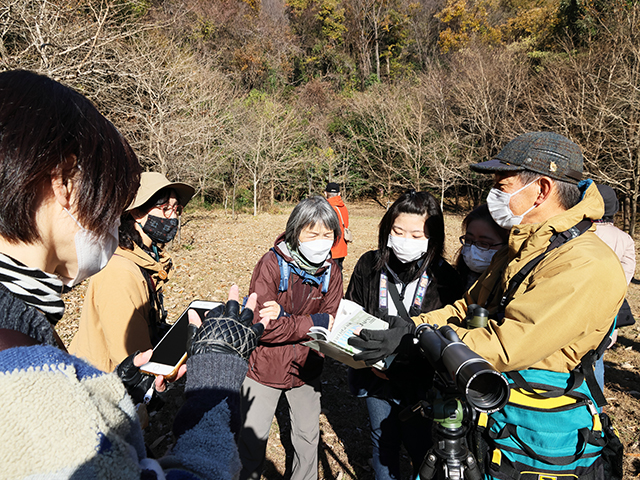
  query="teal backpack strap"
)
[
  {"x": 326, "y": 276},
  {"x": 577, "y": 377},
  {"x": 511, "y": 431},
  {"x": 285, "y": 271}
]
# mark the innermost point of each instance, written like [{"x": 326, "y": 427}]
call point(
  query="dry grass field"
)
[{"x": 215, "y": 251}]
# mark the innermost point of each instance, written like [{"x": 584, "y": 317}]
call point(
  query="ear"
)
[
  {"x": 546, "y": 188},
  {"x": 62, "y": 188},
  {"x": 62, "y": 181}
]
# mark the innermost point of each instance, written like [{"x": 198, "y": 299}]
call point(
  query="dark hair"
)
[
  {"x": 43, "y": 126},
  {"x": 479, "y": 213},
  {"x": 568, "y": 193},
  {"x": 127, "y": 233},
  {"x": 417, "y": 203},
  {"x": 308, "y": 212}
]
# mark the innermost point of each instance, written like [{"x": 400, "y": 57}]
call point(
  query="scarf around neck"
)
[
  {"x": 302, "y": 262},
  {"x": 34, "y": 287}
]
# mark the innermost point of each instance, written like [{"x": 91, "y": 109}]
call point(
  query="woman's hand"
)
[
  {"x": 160, "y": 383},
  {"x": 271, "y": 311},
  {"x": 331, "y": 321}
]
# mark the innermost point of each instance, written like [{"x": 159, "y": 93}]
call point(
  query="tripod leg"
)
[
  {"x": 472, "y": 472},
  {"x": 428, "y": 467}
]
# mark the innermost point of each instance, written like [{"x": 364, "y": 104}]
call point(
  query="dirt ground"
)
[{"x": 215, "y": 251}]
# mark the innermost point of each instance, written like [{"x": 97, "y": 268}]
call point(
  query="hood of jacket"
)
[
  {"x": 336, "y": 201},
  {"x": 160, "y": 271}
]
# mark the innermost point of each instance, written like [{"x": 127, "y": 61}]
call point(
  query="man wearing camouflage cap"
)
[{"x": 565, "y": 305}]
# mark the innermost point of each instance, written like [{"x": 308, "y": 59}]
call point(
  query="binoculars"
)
[{"x": 484, "y": 388}]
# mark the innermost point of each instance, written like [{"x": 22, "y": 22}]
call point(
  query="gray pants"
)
[{"x": 259, "y": 407}]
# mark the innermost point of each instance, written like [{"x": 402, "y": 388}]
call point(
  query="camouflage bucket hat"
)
[{"x": 545, "y": 153}]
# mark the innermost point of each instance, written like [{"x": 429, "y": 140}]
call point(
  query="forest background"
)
[{"x": 264, "y": 101}]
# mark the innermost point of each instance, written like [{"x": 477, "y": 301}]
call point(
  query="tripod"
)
[{"x": 449, "y": 458}]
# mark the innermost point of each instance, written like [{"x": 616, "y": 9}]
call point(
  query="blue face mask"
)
[
  {"x": 477, "y": 259},
  {"x": 160, "y": 229}
]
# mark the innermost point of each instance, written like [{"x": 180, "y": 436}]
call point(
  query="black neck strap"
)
[{"x": 556, "y": 241}]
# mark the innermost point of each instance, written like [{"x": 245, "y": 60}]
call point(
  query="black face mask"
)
[{"x": 160, "y": 229}]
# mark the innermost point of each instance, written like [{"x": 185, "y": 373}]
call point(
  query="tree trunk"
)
[
  {"x": 272, "y": 192},
  {"x": 255, "y": 194},
  {"x": 376, "y": 44},
  {"x": 626, "y": 212},
  {"x": 634, "y": 209},
  {"x": 235, "y": 182}
]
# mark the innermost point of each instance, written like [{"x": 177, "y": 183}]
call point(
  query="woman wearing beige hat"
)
[{"x": 123, "y": 309}]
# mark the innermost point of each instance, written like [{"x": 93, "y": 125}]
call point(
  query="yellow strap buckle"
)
[{"x": 496, "y": 457}]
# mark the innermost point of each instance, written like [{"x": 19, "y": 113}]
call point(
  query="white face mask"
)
[
  {"x": 408, "y": 249},
  {"x": 316, "y": 251},
  {"x": 498, "y": 203},
  {"x": 92, "y": 251},
  {"x": 477, "y": 259}
]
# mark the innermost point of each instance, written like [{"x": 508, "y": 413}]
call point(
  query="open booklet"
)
[{"x": 350, "y": 318}]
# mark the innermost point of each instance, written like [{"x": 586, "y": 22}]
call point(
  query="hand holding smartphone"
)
[{"x": 171, "y": 351}]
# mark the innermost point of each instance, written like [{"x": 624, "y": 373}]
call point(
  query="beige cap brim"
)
[{"x": 153, "y": 182}]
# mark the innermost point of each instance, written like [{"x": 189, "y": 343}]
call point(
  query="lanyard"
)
[{"x": 383, "y": 295}]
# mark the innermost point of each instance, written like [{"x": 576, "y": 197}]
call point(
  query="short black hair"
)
[
  {"x": 417, "y": 203},
  {"x": 44, "y": 124}
]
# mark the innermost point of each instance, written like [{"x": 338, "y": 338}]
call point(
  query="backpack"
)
[{"x": 551, "y": 428}]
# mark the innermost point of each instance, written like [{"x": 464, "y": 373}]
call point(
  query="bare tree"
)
[
  {"x": 266, "y": 138},
  {"x": 594, "y": 98}
]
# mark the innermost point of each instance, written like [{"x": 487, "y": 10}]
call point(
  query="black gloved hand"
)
[
  {"x": 136, "y": 382},
  {"x": 225, "y": 330},
  {"x": 379, "y": 344}
]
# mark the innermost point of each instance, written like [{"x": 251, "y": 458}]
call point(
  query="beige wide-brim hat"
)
[{"x": 153, "y": 182}]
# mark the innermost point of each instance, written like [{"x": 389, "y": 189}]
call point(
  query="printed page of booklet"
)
[{"x": 350, "y": 318}]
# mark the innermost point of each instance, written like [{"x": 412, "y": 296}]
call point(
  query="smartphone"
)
[{"x": 171, "y": 350}]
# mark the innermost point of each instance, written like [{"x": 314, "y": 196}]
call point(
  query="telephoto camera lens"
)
[{"x": 485, "y": 389}]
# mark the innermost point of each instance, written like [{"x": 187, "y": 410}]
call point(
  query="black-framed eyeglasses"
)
[{"x": 482, "y": 245}]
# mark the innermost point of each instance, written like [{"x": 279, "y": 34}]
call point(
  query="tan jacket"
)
[
  {"x": 117, "y": 309},
  {"x": 561, "y": 311}
]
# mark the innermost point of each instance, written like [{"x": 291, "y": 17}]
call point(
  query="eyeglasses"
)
[
  {"x": 169, "y": 210},
  {"x": 481, "y": 245}
]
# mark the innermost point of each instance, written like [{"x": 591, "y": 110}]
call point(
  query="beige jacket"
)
[
  {"x": 116, "y": 312},
  {"x": 561, "y": 311},
  {"x": 622, "y": 244}
]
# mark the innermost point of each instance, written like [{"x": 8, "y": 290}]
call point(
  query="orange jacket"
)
[{"x": 339, "y": 250}]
